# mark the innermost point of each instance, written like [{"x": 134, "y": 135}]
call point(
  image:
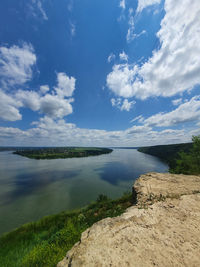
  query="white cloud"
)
[
  {"x": 172, "y": 69},
  {"x": 9, "y": 108},
  {"x": 55, "y": 107},
  {"x": 187, "y": 112},
  {"x": 38, "y": 5},
  {"x": 51, "y": 132},
  {"x": 136, "y": 35},
  {"x": 145, "y": 3},
  {"x": 44, "y": 89},
  {"x": 177, "y": 102},
  {"x": 43, "y": 13},
  {"x": 55, "y": 104},
  {"x": 138, "y": 129},
  {"x": 122, "y": 4},
  {"x": 28, "y": 99},
  {"x": 111, "y": 57},
  {"x": 73, "y": 29},
  {"x": 123, "y": 56},
  {"x": 130, "y": 34},
  {"x": 65, "y": 86},
  {"x": 116, "y": 102},
  {"x": 120, "y": 80},
  {"x": 11, "y": 132},
  {"x": 138, "y": 118},
  {"x": 126, "y": 105},
  {"x": 122, "y": 105},
  {"x": 16, "y": 64},
  {"x": 130, "y": 11}
]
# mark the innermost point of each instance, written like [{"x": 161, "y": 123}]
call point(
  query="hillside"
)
[
  {"x": 45, "y": 242},
  {"x": 161, "y": 230},
  {"x": 167, "y": 153}
]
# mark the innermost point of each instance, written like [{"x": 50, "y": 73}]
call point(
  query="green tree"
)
[{"x": 189, "y": 163}]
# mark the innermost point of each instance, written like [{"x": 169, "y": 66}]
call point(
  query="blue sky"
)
[{"x": 99, "y": 73}]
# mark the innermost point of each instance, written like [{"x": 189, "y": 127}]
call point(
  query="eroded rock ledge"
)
[{"x": 162, "y": 229}]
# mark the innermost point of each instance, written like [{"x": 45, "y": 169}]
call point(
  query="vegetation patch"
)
[
  {"x": 181, "y": 158},
  {"x": 46, "y": 242}
]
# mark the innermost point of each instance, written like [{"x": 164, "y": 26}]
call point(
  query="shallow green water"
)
[{"x": 31, "y": 189}]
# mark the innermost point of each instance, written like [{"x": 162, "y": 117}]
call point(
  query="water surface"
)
[{"x": 31, "y": 189}]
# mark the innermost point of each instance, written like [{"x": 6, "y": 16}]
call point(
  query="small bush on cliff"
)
[{"x": 189, "y": 163}]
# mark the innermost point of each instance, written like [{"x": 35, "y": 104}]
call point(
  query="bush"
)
[{"x": 102, "y": 198}]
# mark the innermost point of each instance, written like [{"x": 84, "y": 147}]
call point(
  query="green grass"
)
[{"x": 46, "y": 242}]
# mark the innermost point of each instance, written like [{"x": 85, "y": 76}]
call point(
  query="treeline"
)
[{"x": 181, "y": 158}]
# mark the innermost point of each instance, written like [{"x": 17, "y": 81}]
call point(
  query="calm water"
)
[{"x": 30, "y": 189}]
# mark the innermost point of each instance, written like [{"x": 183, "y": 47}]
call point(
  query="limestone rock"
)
[{"x": 163, "y": 229}]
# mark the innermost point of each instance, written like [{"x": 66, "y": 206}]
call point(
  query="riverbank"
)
[
  {"x": 45, "y": 242},
  {"x": 166, "y": 153}
]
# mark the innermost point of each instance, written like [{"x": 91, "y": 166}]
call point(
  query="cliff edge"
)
[{"x": 162, "y": 229}]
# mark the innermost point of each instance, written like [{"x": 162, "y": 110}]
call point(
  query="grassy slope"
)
[
  {"x": 167, "y": 153},
  {"x": 45, "y": 243}
]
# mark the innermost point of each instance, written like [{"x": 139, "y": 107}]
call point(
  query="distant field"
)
[
  {"x": 167, "y": 153},
  {"x": 62, "y": 152}
]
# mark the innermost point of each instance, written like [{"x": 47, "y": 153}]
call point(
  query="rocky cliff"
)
[{"x": 162, "y": 229}]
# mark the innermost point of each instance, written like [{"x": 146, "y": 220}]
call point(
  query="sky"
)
[{"x": 99, "y": 72}]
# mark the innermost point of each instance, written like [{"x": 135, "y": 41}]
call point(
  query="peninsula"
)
[{"x": 62, "y": 152}]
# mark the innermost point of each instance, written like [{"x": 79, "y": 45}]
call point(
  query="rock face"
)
[{"x": 162, "y": 229}]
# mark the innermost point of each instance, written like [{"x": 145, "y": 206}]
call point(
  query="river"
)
[{"x": 31, "y": 189}]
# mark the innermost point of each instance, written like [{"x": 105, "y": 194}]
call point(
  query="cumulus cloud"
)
[
  {"x": 172, "y": 69},
  {"x": 48, "y": 131},
  {"x": 145, "y": 3},
  {"x": 16, "y": 64},
  {"x": 65, "y": 86},
  {"x": 44, "y": 89},
  {"x": 120, "y": 80},
  {"x": 9, "y": 108},
  {"x": 28, "y": 99},
  {"x": 55, "y": 107},
  {"x": 10, "y": 132},
  {"x": 123, "y": 56},
  {"x": 54, "y": 104},
  {"x": 187, "y": 112}
]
